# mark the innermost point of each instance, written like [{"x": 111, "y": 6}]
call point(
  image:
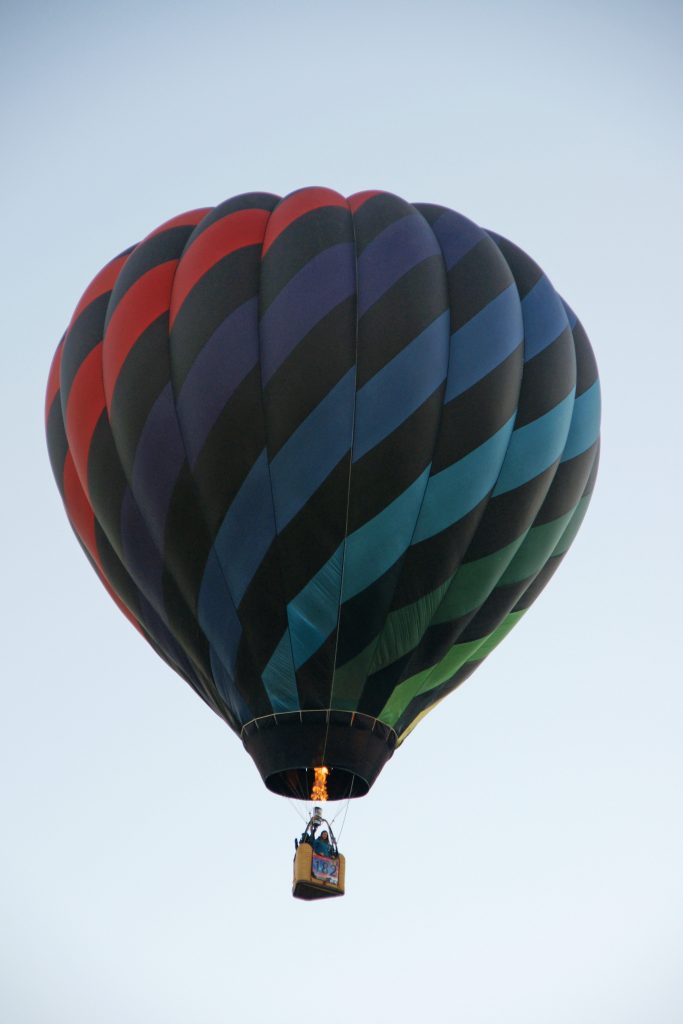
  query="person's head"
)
[{"x": 324, "y": 835}]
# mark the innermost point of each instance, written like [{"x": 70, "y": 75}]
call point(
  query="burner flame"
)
[{"x": 319, "y": 791}]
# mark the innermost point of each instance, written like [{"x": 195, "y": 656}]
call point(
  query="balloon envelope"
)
[{"x": 323, "y": 453}]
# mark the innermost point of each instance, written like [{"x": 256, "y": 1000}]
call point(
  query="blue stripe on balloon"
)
[
  {"x": 484, "y": 342},
  {"x": 227, "y": 689},
  {"x": 457, "y": 236},
  {"x": 455, "y": 491},
  {"x": 159, "y": 457},
  {"x": 279, "y": 679},
  {"x": 217, "y": 615},
  {"x": 376, "y": 546},
  {"x": 247, "y": 530},
  {"x": 394, "y": 252},
  {"x": 400, "y": 387},
  {"x": 544, "y": 317},
  {"x": 313, "y": 613},
  {"x": 226, "y": 359},
  {"x": 535, "y": 446},
  {"x": 585, "y": 425},
  {"x": 571, "y": 315},
  {"x": 313, "y": 450},
  {"x": 324, "y": 282}
]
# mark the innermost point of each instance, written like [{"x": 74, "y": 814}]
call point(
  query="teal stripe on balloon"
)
[
  {"x": 376, "y": 546},
  {"x": 247, "y": 530},
  {"x": 535, "y": 446},
  {"x": 585, "y": 426},
  {"x": 313, "y": 613},
  {"x": 279, "y": 679},
  {"x": 455, "y": 491}
]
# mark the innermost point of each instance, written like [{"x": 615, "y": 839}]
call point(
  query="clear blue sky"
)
[{"x": 520, "y": 859}]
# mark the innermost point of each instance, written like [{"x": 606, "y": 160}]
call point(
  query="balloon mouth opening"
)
[
  {"x": 297, "y": 784},
  {"x": 288, "y": 746}
]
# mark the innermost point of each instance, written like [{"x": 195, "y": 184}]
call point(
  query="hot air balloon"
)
[{"x": 323, "y": 453}]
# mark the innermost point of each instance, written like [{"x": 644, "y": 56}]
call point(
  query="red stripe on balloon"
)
[
  {"x": 84, "y": 409},
  {"x": 144, "y": 302},
  {"x": 100, "y": 285},
  {"x": 190, "y": 219},
  {"x": 359, "y": 198},
  {"x": 295, "y": 206},
  {"x": 233, "y": 232}
]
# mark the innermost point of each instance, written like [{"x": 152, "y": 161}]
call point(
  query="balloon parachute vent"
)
[{"x": 319, "y": 790}]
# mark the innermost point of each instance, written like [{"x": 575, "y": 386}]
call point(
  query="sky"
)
[{"x": 519, "y": 859}]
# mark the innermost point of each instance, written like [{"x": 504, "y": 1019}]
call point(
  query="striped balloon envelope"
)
[{"x": 323, "y": 453}]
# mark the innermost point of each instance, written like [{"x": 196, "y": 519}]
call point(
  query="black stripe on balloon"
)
[
  {"x": 316, "y": 364},
  {"x": 539, "y": 582},
  {"x": 567, "y": 487},
  {"x": 404, "y": 311},
  {"x": 379, "y": 687},
  {"x": 246, "y": 201},
  {"x": 116, "y": 573},
  {"x": 84, "y": 336},
  {"x": 548, "y": 378},
  {"x": 186, "y": 542},
  {"x": 406, "y": 452},
  {"x": 313, "y": 677},
  {"x": 431, "y": 697},
  {"x": 433, "y": 562},
  {"x": 475, "y": 280},
  {"x": 226, "y": 285},
  {"x": 435, "y": 644},
  {"x": 590, "y": 484},
  {"x": 550, "y": 567},
  {"x": 57, "y": 444},
  {"x": 120, "y": 581},
  {"x": 233, "y": 445},
  {"x": 142, "y": 378},
  {"x": 586, "y": 367},
  {"x": 151, "y": 253},
  {"x": 508, "y": 516},
  {"x": 310, "y": 539},
  {"x": 376, "y": 214},
  {"x": 107, "y": 483},
  {"x": 302, "y": 240},
  {"x": 363, "y": 616},
  {"x": 389, "y": 468},
  {"x": 478, "y": 413},
  {"x": 431, "y": 211},
  {"x": 262, "y": 605},
  {"x": 506, "y": 597},
  {"x": 248, "y": 682},
  {"x": 489, "y": 616},
  {"x": 526, "y": 273}
]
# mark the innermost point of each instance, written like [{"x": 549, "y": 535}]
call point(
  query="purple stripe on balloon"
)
[
  {"x": 390, "y": 256},
  {"x": 141, "y": 556},
  {"x": 457, "y": 236},
  {"x": 226, "y": 359},
  {"x": 324, "y": 282},
  {"x": 158, "y": 460},
  {"x": 143, "y": 561}
]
